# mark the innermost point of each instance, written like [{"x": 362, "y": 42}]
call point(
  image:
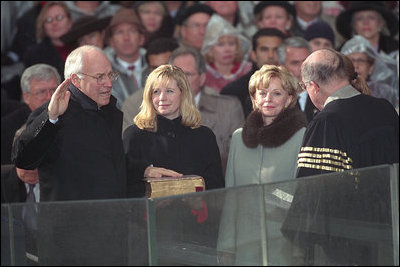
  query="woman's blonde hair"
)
[
  {"x": 40, "y": 33},
  {"x": 262, "y": 78},
  {"x": 146, "y": 119}
]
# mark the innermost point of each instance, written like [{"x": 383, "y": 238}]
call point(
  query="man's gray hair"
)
[
  {"x": 185, "y": 50},
  {"x": 298, "y": 42},
  {"x": 331, "y": 67},
  {"x": 75, "y": 59},
  {"x": 40, "y": 72}
]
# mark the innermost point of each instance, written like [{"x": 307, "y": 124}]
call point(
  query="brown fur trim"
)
[{"x": 286, "y": 124}]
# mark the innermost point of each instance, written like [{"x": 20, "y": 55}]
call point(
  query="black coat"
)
[
  {"x": 176, "y": 147},
  {"x": 81, "y": 156},
  {"x": 44, "y": 52},
  {"x": 10, "y": 123},
  {"x": 12, "y": 188},
  {"x": 240, "y": 89}
]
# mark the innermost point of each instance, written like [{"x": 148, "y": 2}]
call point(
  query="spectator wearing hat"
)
[
  {"x": 192, "y": 25},
  {"x": 125, "y": 38},
  {"x": 376, "y": 69},
  {"x": 226, "y": 52},
  {"x": 320, "y": 35},
  {"x": 372, "y": 20},
  {"x": 275, "y": 14},
  {"x": 87, "y": 30}
]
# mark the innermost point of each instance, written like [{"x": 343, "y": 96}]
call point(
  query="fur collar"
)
[{"x": 286, "y": 124}]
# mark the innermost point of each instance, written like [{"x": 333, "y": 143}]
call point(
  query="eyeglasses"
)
[
  {"x": 190, "y": 74},
  {"x": 101, "y": 78},
  {"x": 303, "y": 85},
  {"x": 42, "y": 93},
  {"x": 196, "y": 26},
  {"x": 359, "y": 61},
  {"x": 51, "y": 19}
]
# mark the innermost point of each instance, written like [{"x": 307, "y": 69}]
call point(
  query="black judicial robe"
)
[{"x": 349, "y": 133}]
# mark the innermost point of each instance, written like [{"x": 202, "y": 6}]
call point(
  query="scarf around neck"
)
[{"x": 285, "y": 125}]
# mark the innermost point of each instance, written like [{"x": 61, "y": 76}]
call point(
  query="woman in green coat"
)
[{"x": 264, "y": 150}]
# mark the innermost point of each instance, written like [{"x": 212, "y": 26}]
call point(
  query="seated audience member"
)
[
  {"x": 291, "y": 54},
  {"x": 192, "y": 24},
  {"x": 263, "y": 151},
  {"x": 275, "y": 14},
  {"x": 320, "y": 35},
  {"x": 125, "y": 38},
  {"x": 376, "y": 69},
  {"x": 54, "y": 21},
  {"x": 87, "y": 30},
  {"x": 156, "y": 20},
  {"x": 222, "y": 114},
  {"x": 226, "y": 52},
  {"x": 38, "y": 83},
  {"x": 168, "y": 133},
  {"x": 355, "y": 80},
  {"x": 264, "y": 51},
  {"x": 307, "y": 13},
  {"x": 372, "y": 20},
  {"x": 99, "y": 9},
  {"x": 237, "y": 13},
  {"x": 157, "y": 54}
]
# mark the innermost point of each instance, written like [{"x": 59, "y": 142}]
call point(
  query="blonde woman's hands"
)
[{"x": 158, "y": 172}]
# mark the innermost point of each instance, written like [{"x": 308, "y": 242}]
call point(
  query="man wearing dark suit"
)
[
  {"x": 291, "y": 54},
  {"x": 38, "y": 82}
]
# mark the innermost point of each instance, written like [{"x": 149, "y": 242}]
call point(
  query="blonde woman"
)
[
  {"x": 263, "y": 151},
  {"x": 167, "y": 132}
]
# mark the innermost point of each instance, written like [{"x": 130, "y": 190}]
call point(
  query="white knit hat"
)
[{"x": 217, "y": 27}]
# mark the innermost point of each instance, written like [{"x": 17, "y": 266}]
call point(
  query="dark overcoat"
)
[
  {"x": 176, "y": 147},
  {"x": 81, "y": 156}
]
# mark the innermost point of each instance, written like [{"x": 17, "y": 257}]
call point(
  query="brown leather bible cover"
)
[{"x": 168, "y": 186}]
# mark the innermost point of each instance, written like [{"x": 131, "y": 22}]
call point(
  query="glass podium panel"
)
[
  {"x": 102, "y": 232},
  {"x": 346, "y": 218}
]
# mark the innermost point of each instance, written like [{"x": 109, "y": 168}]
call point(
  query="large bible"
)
[{"x": 168, "y": 186}]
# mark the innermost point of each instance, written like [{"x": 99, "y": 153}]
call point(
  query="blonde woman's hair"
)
[
  {"x": 262, "y": 78},
  {"x": 146, "y": 119}
]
